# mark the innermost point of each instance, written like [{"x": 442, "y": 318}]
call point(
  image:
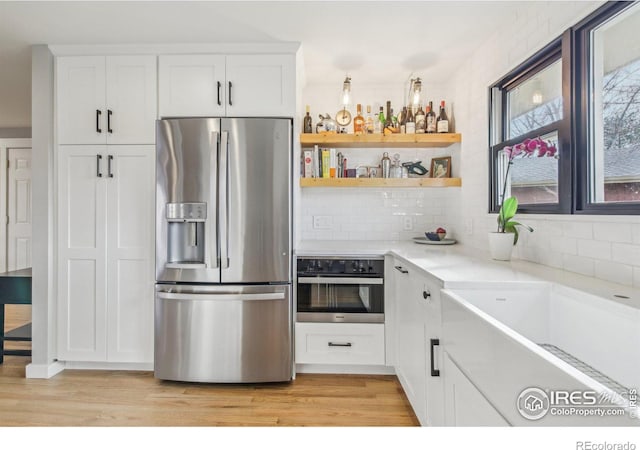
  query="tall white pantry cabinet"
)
[{"x": 106, "y": 111}]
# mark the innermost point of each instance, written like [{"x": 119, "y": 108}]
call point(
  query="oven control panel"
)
[{"x": 345, "y": 267}]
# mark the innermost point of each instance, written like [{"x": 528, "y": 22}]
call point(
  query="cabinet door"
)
[
  {"x": 191, "y": 85},
  {"x": 130, "y": 253},
  {"x": 81, "y": 254},
  {"x": 260, "y": 85},
  {"x": 411, "y": 354},
  {"x": 433, "y": 345},
  {"x": 464, "y": 403},
  {"x": 131, "y": 99},
  {"x": 80, "y": 97}
]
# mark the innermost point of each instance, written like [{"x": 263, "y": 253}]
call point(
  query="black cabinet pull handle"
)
[
  {"x": 98, "y": 114},
  {"x": 230, "y": 85},
  {"x": 339, "y": 344},
  {"x": 109, "y": 112},
  {"x": 426, "y": 294},
  {"x": 109, "y": 166},
  {"x": 434, "y": 372},
  {"x": 219, "y": 101},
  {"x": 98, "y": 159},
  {"x": 401, "y": 269}
]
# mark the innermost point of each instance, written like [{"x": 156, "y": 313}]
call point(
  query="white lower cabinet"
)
[
  {"x": 339, "y": 343},
  {"x": 465, "y": 405},
  {"x": 105, "y": 253},
  {"x": 418, "y": 352}
]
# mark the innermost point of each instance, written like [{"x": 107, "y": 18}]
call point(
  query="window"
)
[
  {"x": 608, "y": 73},
  {"x": 529, "y": 104},
  {"x": 580, "y": 95}
]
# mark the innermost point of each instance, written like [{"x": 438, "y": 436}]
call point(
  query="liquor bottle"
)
[
  {"x": 388, "y": 122},
  {"x": 431, "y": 119},
  {"x": 379, "y": 123},
  {"x": 403, "y": 120},
  {"x": 368, "y": 122},
  {"x": 358, "y": 121},
  {"x": 410, "y": 122},
  {"x": 421, "y": 123},
  {"x": 308, "y": 125},
  {"x": 442, "y": 124}
]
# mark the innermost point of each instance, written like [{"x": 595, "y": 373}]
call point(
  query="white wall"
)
[
  {"x": 375, "y": 213},
  {"x": 606, "y": 247}
]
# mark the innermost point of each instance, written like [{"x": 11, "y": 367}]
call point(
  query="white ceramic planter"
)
[{"x": 501, "y": 245}]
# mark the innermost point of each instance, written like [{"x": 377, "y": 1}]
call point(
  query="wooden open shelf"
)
[
  {"x": 380, "y": 182},
  {"x": 380, "y": 140}
]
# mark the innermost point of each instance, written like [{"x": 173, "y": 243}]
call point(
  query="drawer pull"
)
[
  {"x": 401, "y": 269},
  {"x": 339, "y": 344},
  {"x": 434, "y": 372}
]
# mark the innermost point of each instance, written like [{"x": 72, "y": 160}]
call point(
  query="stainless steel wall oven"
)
[{"x": 339, "y": 289}]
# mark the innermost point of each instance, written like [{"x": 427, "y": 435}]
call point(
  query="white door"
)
[
  {"x": 191, "y": 85},
  {"x": 131, "y": 99},
  {"x": 80, "y": 97},
  {"x": 130, "y": 253},
  {"x": 260, "y": 85},
  {"x": 19, "y": 209},
  {"x": 82, "y": 225}
]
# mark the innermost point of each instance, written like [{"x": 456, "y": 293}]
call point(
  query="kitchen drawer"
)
[{"x": 339, "y": 343}]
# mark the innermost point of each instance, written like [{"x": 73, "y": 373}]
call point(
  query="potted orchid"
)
[{"x": 502, "y": 241}]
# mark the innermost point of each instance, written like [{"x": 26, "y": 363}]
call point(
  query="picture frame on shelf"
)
[{"x": 441, "y": 167}]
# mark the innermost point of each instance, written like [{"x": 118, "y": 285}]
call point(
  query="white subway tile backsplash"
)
[
  {"x": 635, "y": 232},
  {"x": 615, "y": 272},
  {"x": 636, "y": 277},
  {"x": 613, "y": 232},
  {"x": 562, "y": 244},
  {"x": 579, "y": 264},
  {"x": 579, "y": 230},
  {"x": 626, "y": 253},
  {"x": 594, "y": 249}
]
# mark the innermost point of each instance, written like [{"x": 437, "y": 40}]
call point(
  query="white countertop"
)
[{"x": 458, "y": 266}]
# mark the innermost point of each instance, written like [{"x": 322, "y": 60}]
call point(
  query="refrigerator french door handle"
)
[
  {"x": 212, "y": 246},
  {"x": 223, "y": 201}
]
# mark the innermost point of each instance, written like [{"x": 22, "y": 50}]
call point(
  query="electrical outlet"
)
[
  {"x": 468, "y": 226},
  {"x": 407, "y": 225},
  {"x": 322, "y": 222}
]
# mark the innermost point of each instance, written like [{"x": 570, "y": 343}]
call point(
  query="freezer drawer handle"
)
[
  {"x": 338, "y": 280},
  {"x": 339, "y": 344},
  {"x": 238, "y": 297},
  {"x": 434, "y": 372}
]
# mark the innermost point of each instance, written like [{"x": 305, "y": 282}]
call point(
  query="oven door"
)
[{"x": 340, "y": 299}]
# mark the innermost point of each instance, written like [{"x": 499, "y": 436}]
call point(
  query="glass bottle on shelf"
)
[
  {"x": 386, "y": 165},
  {"x": 410, "y": 122},
  {"x": 442, "y": 125},
  {"x": 358, "y": 121},
  {"x": 308, "y": 125},
  {"x": 378, "y": 124},
  {"x": 388, "y": 122},
  {"x": 396, "y": 168},
  {"x": 421, "y": 124},
  {"x": 368, "y": 121},
  {"x": 403, "y": 119},
  {"x": 431, "y": 119}
]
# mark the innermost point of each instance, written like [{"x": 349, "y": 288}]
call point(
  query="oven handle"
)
[{"x": 337, "y": 280}]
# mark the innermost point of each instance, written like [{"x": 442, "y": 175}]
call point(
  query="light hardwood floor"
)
[{"x": 124, "y": 398}]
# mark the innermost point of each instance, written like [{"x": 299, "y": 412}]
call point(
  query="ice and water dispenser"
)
[{"x": 186, "y": 235}]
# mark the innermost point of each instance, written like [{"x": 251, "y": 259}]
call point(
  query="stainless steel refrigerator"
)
[{"x": 223, "y": 308}]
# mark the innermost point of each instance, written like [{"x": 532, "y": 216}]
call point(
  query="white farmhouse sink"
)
[{"x": 509, "y": 337}]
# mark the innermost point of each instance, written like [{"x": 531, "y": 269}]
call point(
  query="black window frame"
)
[
  {"x": 555, "y": 51},
  {"x": 573, "y": 48},
  {"x": 581, "y": 81}
]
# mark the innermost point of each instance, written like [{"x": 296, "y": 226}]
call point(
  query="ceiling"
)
[{"x": 373, "y": 41}]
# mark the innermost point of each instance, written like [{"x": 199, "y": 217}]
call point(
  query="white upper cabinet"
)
[
  {"x": 106, "y": 100},
  {"x": 232, "y": 85},
  {"x": 191, "y": 85}
]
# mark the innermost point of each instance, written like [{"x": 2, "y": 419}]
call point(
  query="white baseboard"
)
[
  {"x": 345, "y": 369},
  {"x": 44, "y": 370},
  {"x": 90, "y": 365}
]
